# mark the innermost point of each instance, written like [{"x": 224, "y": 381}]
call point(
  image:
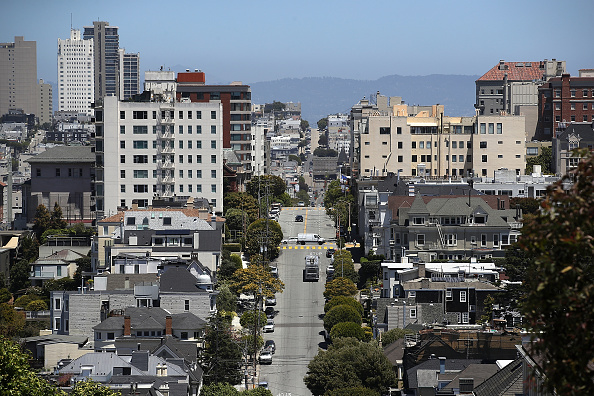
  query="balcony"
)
[{"x": 43, "y": 275}]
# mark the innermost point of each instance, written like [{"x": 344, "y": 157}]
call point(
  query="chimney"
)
[
  {"x": 421, "y": 270},
  {"x": 442, "y": 365},
  {"x": 168, "y": 325},
  {"x": 127, "y": 327}
]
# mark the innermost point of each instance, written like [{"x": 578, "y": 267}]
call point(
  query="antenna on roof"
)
[{"x": 70, "y": 21}]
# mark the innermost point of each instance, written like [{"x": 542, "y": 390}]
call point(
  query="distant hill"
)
[{"x": 320, "y": 96}]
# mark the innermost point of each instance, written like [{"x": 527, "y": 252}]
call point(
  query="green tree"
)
[
  {"x": 19, "y": 275},
  {"x": 349, "y": 363},
  {"x": 276, "y": 186},
  {"x": 304, "y": 125},
  {"x": 347, "y": 329},
  {"x": 92, "y": 388},
  {"x": 237, "y": 219},
  {"x": 339, "y": 314},
  {"x": 340, "y": 287},
  {"x": 229, "y": 264},
  {"x": 322, "y": 141},
  {"x": 528, "y": 205},
  {"x": 560, "y": 291},
  {"x": 323, "y": 152},
  {"x": 278, "y": 106},
  {"x": 56, "y": 218},
  {"x": 222, "y": 355},
  {"x": 354, "y": 390},
  {"x": 37, "y": 305},
  {"x": 242, "y": 201},
  {"x": 5, "y": 295},
  {"x": 257, "y": 280},
  {"x": 323, "y": 123},
  {"x": 302, "y": 195},
  {"x": 12, "y": 322},
  {"x": 248, "y": 341},
  {"x": 369, "y": 271},
  {"x": 42, "y": 220},
  {"x": 392, "y": 335},
  {"x": 296, "y": 158},
  {"x": 344, "y": 266},
  {"x": 248, "y": 320},
  {"x": 219, "y": 389},
  {"x": 257, "y": 236},
  {"x": 544, "y": 159},
  {"x": 226, "y": 300},
  {"x": 256, "y": 392},
  {"x": 344, "y": 300},
  {"x": 16, "y": 376}
]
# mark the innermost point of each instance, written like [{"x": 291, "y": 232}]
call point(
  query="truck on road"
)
[
  {"x": 302, "y": 238},
  {"x": 311, "y": 272}
]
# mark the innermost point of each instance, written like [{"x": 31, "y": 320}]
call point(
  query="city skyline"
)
[{"x": 347, "y": 39}]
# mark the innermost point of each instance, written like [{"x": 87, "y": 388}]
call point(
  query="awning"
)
[{"x": 12, "y": 244}]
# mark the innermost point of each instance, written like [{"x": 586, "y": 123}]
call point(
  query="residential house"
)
[
  {"x": 59, "y": 265},
  {"x": 569, "y": 138}
]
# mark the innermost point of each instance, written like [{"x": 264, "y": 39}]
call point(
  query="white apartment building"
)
[
  {"x": 149, "y": 150},
  {"x": 76, "y": 88}
]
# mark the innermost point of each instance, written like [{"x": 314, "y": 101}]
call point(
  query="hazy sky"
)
[{"x": 254, "y": 41}]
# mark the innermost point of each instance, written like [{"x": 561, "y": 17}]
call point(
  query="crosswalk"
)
[
  {"x": 302, "y": 207},
  {"x": 331, "y": 246}
]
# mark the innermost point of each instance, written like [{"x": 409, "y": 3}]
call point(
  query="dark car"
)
[
  {"x": 299, "y": 218},
  {"x": 330, "y": 252},
  {"x": 270, "y": 345}
]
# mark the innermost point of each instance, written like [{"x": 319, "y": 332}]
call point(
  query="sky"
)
[{"x": 254, "y": 41}]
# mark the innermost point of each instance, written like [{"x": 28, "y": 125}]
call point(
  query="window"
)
[
  {"x": 184, "y": 335},
  {"x": 122, "y": 129},
  {"x": 198, "y": 115},
  {"x": 122, "y": 174},
  {"x": 110, "y": 336},
  {"x": 198, "y": 188},
  {"x": 181, "y": 173},
  {"x": 460, "y": 158},
  {"x": 454, "y": 158},
  {"x": 484, "y": 158},
  {"x": 186, "y": 305},
  {"x": 213, "y": 174},
  {"x": 198, "y": 173},
  {"x": 413, "y": 313},
  {"x": 462, "y": 295},
  {"x": 122, "y": 159},
  {"x": 585, "y": 106},
  {"x": 495, "y": 239},
  {"x": 213, "y": 115},
  {"x": 181, "y": 115},
  {"x": 123, "y": 188},
  {"x": 213, "y": 129},
  {"x": 499, "y": 128},
  {"x": 198, "y": 144},
  {"x": 454, "y": 145},
  {"x": 573, "y": 106},
  {"x": 122, "y": 115},
  {"x": 181, "y": 188},
  {"x": 483, "y": 240},
  {"x": 57, "y": 303},
  {"x": 400, "y": 158},
  {"x": 572, "y": 93},
  {"x": 428, "y": 145},
  {"x": 140, "y": 115},
  {"x": 181, "y": 144},
  {"x": 399, "y": 130},
  {"x": 213, "y": 188},
  {"x": 384, "y": 130},
  {"x": 140, "y": 144},
  {"x": 140, "y": 130},
  {"x": 98, "y": 335},
  {"x": 189, "y": 128},
  {"x": 140, "y": 174},
  {"x": 414, "y": 145},
  {"x": 122, "y": 144},
  {"x": 198, "y": 159},
  {"x": 167, "y": 221},
  {"x": 451, "y": 239},
  {"x": 141, "y": 188},
  {"x": 198, "y": 129},
  {"x": 420, "y": 239},
  {"x": 491, "y": 128},
  {"x": 399, "y": 145},
  {"x": 213, "y": 144},
  {"x": 414, "y": 158},
  {"x": 140, "y": 159},
  {"x": 213, "y": 159},
  {"x": 449, "y": 294},
  {"x": 421, "y": 145},
  {"x": 464, "y": 317}
]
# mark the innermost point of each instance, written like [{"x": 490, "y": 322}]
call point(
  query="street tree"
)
[
  {"x": 560, "y": 291},
  {"x": 349, "y": 363},
  {"x": 92, "y": 388},
  {"x": 347, "y": 329},
  {"x": 16, "y": 376},
  {"x": 344, "y": 266},
  {"x": 304, "y": 125},
  {"x": 229, "y": 264},
  {"x": 296, "y": 158},
  {"x": 340, "y": 287},
  {"x": 5, "y": 295},
  {"x": 219, "y": 389},
  {"x": 249, "y": 319},
  {"x": 340, "y": 314},
  {"x": 257, "y": 186},
  {"x": 322, "y": 141},
  {"x": 353, "y": 390},
  {"x": 226, "y": 300},
  {"x": 242, "y": 201},
  {"x": 222, "y": 354},
  {"x": 257, "y": 280},
  {"x": 323, "y": 123},
  {"x": 263, "y": 236},
  {"x": 343, "y": 300}
]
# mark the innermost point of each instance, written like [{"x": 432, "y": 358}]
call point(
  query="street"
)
[{"x": 298, "y": 325}]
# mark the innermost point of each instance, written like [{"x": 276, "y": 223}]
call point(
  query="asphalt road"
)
[{"x": 298, "y": 327}]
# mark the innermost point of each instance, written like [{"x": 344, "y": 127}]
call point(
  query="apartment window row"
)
[{"x": 143, "y": 114}]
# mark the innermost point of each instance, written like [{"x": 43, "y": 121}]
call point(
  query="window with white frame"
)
[
  {"x": 449, "y": 294},
  {"x": 495, "y": 239},
  {"x": 413, "y": 313},
  {"x": 418, "y": 220},
  {"x": 420, "y": 239},
  {"x": 483, "y": 239},
  {"x": 462, "y": 295},
  {"x": 451, "y": 239},
  {"x": 464, "y": 317},
  {"x": 412, "y": 294}
]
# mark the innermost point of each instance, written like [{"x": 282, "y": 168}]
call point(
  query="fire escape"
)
[{"x": 166, "y": 151}]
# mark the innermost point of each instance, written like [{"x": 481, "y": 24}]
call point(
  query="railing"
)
[{"x": 43, "y": 274}]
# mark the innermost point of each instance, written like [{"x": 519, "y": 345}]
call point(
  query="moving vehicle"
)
[
  {"x": 299, "y": 218},
  {"x": 270, "y": 301},
  {"x": 265, "y": 357},
  {"x": 329, "y": 273},
  {"x": 270, "y": 345},
  {"x": 269, "y": 311},
  {"x": 274, "y": 271},
  {"x": 301, "y": 203},
  {"x": 290, "y": 240},
  {"x": 330, "y": 252},
  {"x": 302, "y": 238},
  {"x": 311, "y": 272}
]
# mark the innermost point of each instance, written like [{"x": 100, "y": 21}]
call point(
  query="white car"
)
[
  {"x": 265, "y": 357},
  {"x": 269, "y": 326},
  {"x": 270, "y": 301}
]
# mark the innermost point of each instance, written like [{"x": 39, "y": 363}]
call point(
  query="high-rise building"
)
[
  {"x": 158, "y": 148},
  {"x": 129, "y": 74},
  {"x": 76, "y": 88},
  {"x": 45, "y": 109},
  {"x": 18, "y": 76},
  {"x": 236, "y": 100},
  {"x": 106, "y": 44}
]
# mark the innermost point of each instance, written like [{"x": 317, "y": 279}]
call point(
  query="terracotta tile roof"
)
[
  {"x": 190, "y": 212},
  {"x": 515, "y": 72}
]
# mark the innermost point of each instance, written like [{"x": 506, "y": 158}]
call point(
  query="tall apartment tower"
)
[
  {"x": 106, "y": 44},
  {"x": 76, "y": 88},
  {"x": 129, "y": 74},
  {"x": 18, "y": 76},
  {"x": 157, "y": 148},
  {"x": 45, "y": 109}
]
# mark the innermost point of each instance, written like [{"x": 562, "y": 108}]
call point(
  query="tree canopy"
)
[
  {"x": 257, "y": 237},
  {"x": 344, "y": 265},
  {"x": 349, "y": 363},
  {"x": 323, "y": 123},
  {"x": 222, "y": 354},
  {"x": 322, "y": 152},
  {"x": 560, "y": 291},
  {"x": 304, "y": 125},
  {"x": 340, "y": 314},
  {"x": 344, "y": 300},
  {"x": 257, "y": 280},
  {"x": 347, "y": 329},
  {"x": 390, "y": 336},
  {"x": 544, "y": 159},
  {"x": 244, "y": 202},
  {"x": 92, "y": 388},
  {"x": 340, "y": 287},
  {"x": 276, "y": 186}
]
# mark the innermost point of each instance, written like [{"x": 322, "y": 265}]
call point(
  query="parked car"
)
[
  {"x": 269, "y": 326},
  {"x": 274, "y": 271},
  {"x": 263, "y": 384},
  {"x": 269, "y": 311},
  {"x": 270, "y": 301},
  {"x": 299, "y": 218},
  {"x": 265, "y": 357},
  {"x": 289, "y": 240},
  {"x": 301, "y": 203},
  {"x": 330, "y": 252},
  {"x": 270, "y": 345}
]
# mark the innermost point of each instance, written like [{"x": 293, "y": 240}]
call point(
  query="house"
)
[
  {"x": 569, "y": 138},
  {"x": 59, "y": 265},
  {"x": 508, "y": 381},
  {"x": 424, "y": 379},
  {"x": 48, "y": 350}
]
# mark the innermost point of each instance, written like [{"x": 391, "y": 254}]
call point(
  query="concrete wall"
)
[
  {"x": 56, "y": 352},
  {"x": 199, "y": 303}
]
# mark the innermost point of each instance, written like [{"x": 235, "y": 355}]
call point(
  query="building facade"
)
[
  {"x": 106, "y": 44},
  {"x": 76, "y": 73},
  {"x": 129, "y": 74},
  {"x": 153, "y": 150},
  {"x": 45, "y": 109},
  {"x": 18, "y": 76}
]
